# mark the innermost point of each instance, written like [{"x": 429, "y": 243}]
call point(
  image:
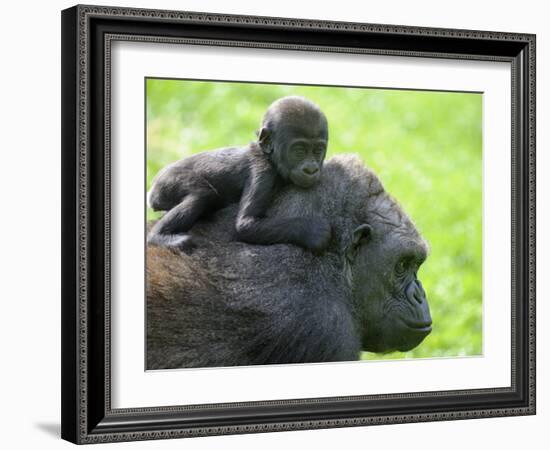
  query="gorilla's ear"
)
[
  {"x": 264, "y": 139},
  {"x": 360, "y": 235}
]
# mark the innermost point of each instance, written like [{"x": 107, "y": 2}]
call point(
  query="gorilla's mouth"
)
[
  {"x": 307, "y": 181},
  {"x": 303, "y": 180},
  {"x": 414, "y": 332},
  {"x": 421, "y": 327}
]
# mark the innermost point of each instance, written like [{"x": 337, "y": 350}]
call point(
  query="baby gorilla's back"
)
[{"x": 221, "y": 171}]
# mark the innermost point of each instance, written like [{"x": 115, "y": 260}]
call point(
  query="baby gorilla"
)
[{"x": 291, "y": 147}]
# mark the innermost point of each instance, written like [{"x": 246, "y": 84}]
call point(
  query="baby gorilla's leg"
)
[{"x": 171, "y": 229}]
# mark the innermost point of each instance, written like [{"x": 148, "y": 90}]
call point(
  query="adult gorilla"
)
[{"x": 231, "y": 303}]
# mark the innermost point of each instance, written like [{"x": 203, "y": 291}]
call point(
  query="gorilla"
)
[
  {"x": 291, "y": 147},
  {"x": 232, "y": 303}
]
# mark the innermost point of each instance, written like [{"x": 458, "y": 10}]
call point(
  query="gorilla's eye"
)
[
  {"x": 319, "y": 150},
  {"x": 401, "y": 266},
  {"x": 299, "y": 151}
]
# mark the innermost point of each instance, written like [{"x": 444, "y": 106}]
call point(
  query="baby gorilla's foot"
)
[{"x": 182, "y": 242}]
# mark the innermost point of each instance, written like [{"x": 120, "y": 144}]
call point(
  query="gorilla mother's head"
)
[{"x": 381, "y": 252}]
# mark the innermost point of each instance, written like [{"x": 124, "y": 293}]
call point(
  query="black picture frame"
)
[{"x": 87, "y": 416}]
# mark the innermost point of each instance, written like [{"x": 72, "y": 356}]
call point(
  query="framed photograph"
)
[{"x": 279, "y": 224}]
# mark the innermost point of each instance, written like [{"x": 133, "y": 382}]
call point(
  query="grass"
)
[{"x": 426, "y": 147}]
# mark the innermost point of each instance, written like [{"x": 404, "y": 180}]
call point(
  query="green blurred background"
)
[{"x": 426, "y": 147}]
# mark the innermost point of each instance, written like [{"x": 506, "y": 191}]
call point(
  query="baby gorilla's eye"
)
[
  {"x": 319, "y": 150},
  {"x": 299, "y": 150}
]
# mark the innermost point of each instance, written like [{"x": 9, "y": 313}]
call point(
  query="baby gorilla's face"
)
[
  {"x": 304, "y": 156},
  {"x": 295, "y": 133}
]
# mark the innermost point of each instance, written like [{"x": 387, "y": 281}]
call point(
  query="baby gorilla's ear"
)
[
  {"x": 360, "y": 236},
  {"x": 264, "y": 139}
]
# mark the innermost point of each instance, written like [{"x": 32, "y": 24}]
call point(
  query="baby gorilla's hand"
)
[
  {"x": 317, "y": 235},
  {"x": 183, "y": 242}
]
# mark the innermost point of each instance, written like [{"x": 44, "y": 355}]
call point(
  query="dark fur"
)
[
  {"x": 232, "y": 303},
  {"x": 193, "y": 187}
]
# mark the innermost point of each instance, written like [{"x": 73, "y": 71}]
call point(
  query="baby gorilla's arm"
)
[{"x": 253, "y": 227}]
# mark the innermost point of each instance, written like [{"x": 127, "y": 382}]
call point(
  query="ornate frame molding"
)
[{"x": 84, "y": 421}]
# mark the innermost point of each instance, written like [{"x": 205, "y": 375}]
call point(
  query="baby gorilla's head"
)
[{"x": 294, "y": 133}]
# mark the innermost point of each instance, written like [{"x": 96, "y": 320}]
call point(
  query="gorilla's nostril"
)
[
  {"x": 311, "y": 170},
  {"x": 419, "y": 294}
]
